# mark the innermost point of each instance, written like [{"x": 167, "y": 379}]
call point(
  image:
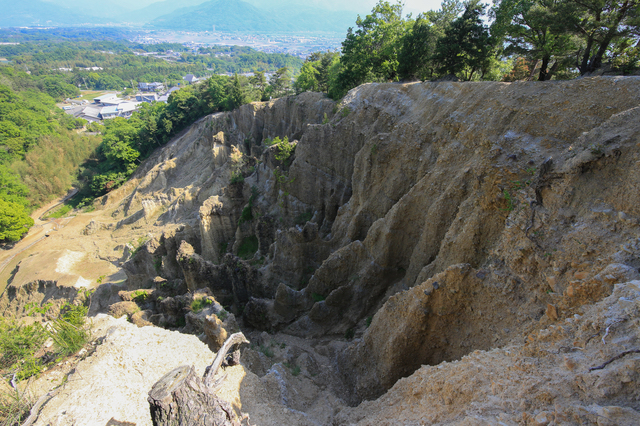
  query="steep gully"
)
[{"x": 415, "y": 224}]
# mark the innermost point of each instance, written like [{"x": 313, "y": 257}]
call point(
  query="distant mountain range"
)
[
  {"x": 22, "y": 13},
  {"x": 186, "y": 15},
  {"x": 237, "y": 15}
]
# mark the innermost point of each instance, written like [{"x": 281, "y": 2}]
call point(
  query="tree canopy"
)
[{"x": 547, "y": 38}]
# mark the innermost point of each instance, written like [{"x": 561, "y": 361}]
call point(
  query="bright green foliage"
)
[
  {"x": 61, "y": 211},
  {"x": 601, "y": 23},
  {"x": 39, "y": 156},
  {"x": 67, "y": 337},
  {"x": 285, "y": 149},
  {"x": 199, "y": 304},
  {"x": 14, "y": 221},
  {"x": 259, "y": 83},
  {"x": 18, "y": 344},
  {"x": 371, "y": 52},
  {"x": 139, "y": 296},
  {"x": 466, "y": 48},
  {"x": 316, "y": 76},
  {"x": 128, "y": 141},
  {"x": 419, "y": 41},
  {"x": 11, "y": 189},
  {"x": 15, "y": 406},
  {"x": 121, "y": 66},
  {"x": 417, "y": 47},
  {"x": 625, "y": 56},
  {"x": 24, "y": 118},
  {"x": 307, "y": 81},
  {"x": 236, "y": 97}
]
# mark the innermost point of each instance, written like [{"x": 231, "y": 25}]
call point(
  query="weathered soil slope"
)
[{"x": 449, "y": 250}]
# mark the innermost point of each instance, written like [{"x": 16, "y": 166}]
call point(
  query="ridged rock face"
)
[
  {"x": 401, "y": 182},
  {"x": 419, "y": 222},
  {"x": 188, "y": 181},
  {"x": 530, "y": 188}
]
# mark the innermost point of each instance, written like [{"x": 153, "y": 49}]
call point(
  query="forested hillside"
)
[
  {"x": 40, "y": 153},
  {"x": 122, "y": 68}
]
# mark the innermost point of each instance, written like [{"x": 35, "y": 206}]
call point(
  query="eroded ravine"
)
[{"x": 416, "y": 224}]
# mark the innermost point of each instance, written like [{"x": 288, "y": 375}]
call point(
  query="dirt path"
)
[{"x": 38, "y": 231}]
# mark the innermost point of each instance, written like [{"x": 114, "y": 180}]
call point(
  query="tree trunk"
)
[
  {"x": 543, "y": 68},
  {"x": 553, "y": 69},
  {"x": 180, "y": 398},
  {"x": 584, "y": 65}
]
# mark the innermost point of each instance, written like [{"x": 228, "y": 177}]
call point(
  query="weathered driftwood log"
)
[{"x": 182, "y": 398}]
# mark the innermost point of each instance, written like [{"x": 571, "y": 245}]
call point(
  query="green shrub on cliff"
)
[{"x": 19, "y": 343}]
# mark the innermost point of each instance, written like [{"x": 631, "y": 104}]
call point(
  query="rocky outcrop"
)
[
  {"x": 581, "y": 370},
  {"x": 420, "y": 224},
  {"x": 404, "y": 181}
]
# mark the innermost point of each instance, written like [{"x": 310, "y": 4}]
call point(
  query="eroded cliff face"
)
[{"x": 415, "y": 224}]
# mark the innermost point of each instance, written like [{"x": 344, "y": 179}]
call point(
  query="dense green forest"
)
[
  {"x": 40, "y": 151},
  {"x": 513, "y": 40},
  {"x": 122, "y": 68}
]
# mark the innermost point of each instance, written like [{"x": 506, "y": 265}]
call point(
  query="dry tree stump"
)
[{"x": 180, "y": 397}]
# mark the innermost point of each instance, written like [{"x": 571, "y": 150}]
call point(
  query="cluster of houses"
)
[
  {"x": 108, "y": 106},
  {"x": 111, "y": 106}
]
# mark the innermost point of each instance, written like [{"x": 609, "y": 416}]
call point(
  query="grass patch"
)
[
  {"x": 139, "y": 296},
  {"x": 368, "y": 321},
  {"x": 246, "y": 215},
  {"x": 14, "y": 407},
  {"x": 222, "y": 315},
  {"x": 237, "y": 177},
  {"x": 61, "y": 211},
  {"x": 349, "y": 334},
  {"x": 295, "y": 369},
  {"x": 19, "y": 343},
  {"x": 509, "y": 198},
  {"x": 248, "y": 247},
  {"x": 138, "y": 246},
  {"x": 199, "y": 304}
]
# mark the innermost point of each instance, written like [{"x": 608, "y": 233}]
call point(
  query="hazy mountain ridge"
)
[
  {"x": 36, "y": 12},
  {"x": 192, "y": 15},
  {"x": 158, "y": 9},
  {"x": 238, "y": 15}
]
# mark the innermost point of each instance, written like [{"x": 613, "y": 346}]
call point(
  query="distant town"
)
[
  {"x": 296, "y": 45},
  {"x": 110, "y": 105}
]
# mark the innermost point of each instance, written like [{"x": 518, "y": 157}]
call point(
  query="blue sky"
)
[{"x": 410, "y": 6}]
